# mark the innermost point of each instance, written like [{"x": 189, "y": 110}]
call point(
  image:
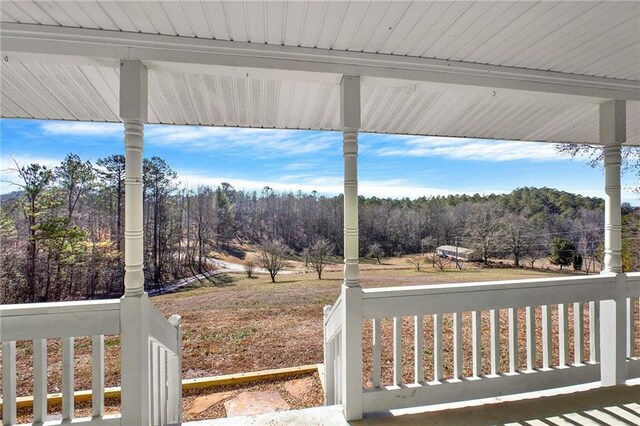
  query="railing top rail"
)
[
  {"x": 333, "y": 321},
  {"x": 333, "y": 310},
  {"x": 436, "y": 289},
  {"x": 59, "y": 307},
  {"x": 633, "y": 284},
  {"x": 162, "y": 329},
  {"x": 447, "y": 298},
  {"x": 62, "y": 319}
]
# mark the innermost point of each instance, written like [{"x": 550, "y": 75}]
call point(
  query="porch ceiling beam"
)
[{"x": 78, "y": 44}]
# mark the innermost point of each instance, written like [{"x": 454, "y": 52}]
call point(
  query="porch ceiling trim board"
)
[
  {"x": 80, "y": 45},
  {"x": 553, "y": 35}
]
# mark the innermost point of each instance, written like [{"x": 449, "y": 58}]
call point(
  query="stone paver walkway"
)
[
  {"x": 203, "y": 402},
  {"x": 257, "y": 402},
  {"x": 317, "y": 416},
  {"x": 299, "y": 387}
]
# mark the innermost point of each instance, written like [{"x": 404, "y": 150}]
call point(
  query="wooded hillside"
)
[{"x": 63, "y": 233}]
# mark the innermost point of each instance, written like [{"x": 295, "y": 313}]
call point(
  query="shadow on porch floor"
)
[{"x": 618, "y": 405}]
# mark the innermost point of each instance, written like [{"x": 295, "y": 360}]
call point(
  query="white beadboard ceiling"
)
[{"x": 599, "y": 39}]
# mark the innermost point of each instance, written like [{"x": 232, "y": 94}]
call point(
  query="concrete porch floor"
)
[{"x": 618, "y": 405}]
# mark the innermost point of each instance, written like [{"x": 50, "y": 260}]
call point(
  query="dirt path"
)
[{"x": 225, "y": 268}]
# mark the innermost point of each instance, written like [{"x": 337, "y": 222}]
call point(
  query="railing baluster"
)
[
  {"x": 594, "y": 331},
  {"x": 476, "y": 337},
  {"x": 418, "y": 350},
  {"x": 377, "y": 370},
  {"x": 39, "y": 381},
  {"x": 438, "y": 371},
  {"x": 547, "y": 336},
  {"x": 457, "y": 345},
  {"x": 531, "y": 338},
  {"x": 494, "y": 315},
  {"x": 329, "y": 372},
  {"x": 578, "y": 333},
  {"x": 97, "y": 375},
  {"x": 513, "y": 340},
  {"x": 397, "y": 351},
  {"x": 338, "y": 368},
  {"x": 174, "y": 398},
  {"x": 154, "y": 383},
  {"x": 630, "y": 328},
  {"x": 68, "y": 402},
  {"x": 175, "y": 375},
  {"x": 162, "y": 391},
  {"x": 563, "y": 334},
  {"x": 638, "y": 318},
  {"x": 9, "y": 413},
  {"x": 329, "y": 356}
]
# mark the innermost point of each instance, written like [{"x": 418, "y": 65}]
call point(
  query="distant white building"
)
[{"x": 461, "y": 253}]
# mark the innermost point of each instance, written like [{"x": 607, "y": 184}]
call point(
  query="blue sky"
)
[{"x": 287, "y": 160}]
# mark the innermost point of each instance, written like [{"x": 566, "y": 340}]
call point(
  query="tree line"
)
[{"x": 63, "y": 230}]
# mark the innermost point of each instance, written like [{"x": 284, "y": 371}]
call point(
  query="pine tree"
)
[{"x": 562, "y": 252}]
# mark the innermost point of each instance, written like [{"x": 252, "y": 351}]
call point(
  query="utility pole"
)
[{"x": 457, "y": 262}]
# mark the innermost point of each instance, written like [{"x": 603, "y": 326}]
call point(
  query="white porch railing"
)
[
  {"x": 558, "y": 320},
  {"x": 69, "y": 320},
  {"x": 332, "y": 353}
]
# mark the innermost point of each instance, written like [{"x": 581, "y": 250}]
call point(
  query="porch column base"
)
[
  {"x": 134, "y": 343},
  {"x": 613, "y": 363},
  {"x": 352, "y": 352}
]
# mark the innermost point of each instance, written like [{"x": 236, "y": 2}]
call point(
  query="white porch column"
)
[
  {"x": 133, "y": 112},
  {"x": 135, "y": 405},
  {"x": 612, "y": 136},
  {"x": 351, "y": 290},
  {"x": 350, "y": 121},
  {"x": 612, "y": 312}
]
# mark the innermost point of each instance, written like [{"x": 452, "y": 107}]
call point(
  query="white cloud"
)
[
  {"x": 258, "y": 141},
  {"x": 76, "y": 128},
  {"x": 8, "y": 174},
  {"x": 474, "y": 149},
  {"x": 8, "y": 162}
]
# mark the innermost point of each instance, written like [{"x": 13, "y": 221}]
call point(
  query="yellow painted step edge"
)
[{"x": 199, "y": 383}]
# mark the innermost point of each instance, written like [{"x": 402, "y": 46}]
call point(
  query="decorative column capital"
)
[
  {"x": 133, "y": 91},
  {"x": 613, "y": 123},
  {"x": 350, "y": 103}
]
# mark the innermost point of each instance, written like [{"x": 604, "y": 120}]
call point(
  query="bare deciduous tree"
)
[
  {"x": 515, "y": 234},
  {"x": 319, "y": 254},
  {"x": 484, "y": 227},
  {"x": 305, "y": 253},
  {"x": 375, "y": 251},
  {"x": 589, "y": 224},
  {"x": 417, "y": 261},
  {"x": 440, "y": 261},
  {"x": 249, "y": 267},
  {"x": 272, "y": 257}
]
